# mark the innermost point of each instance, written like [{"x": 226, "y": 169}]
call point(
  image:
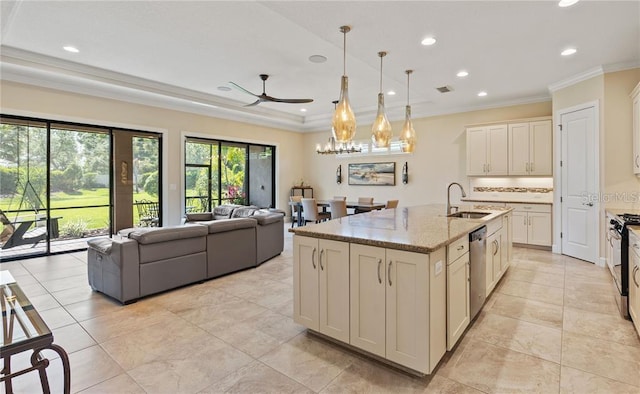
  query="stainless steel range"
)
[{"x": 618, "y": 255}]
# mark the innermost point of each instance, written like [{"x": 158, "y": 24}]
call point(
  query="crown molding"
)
[
  {"x": 565, "y": 83},
  {"x": 611, "y": 68}
]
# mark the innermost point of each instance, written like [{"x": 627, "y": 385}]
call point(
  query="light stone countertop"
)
[{"x": 421, "y": 229}]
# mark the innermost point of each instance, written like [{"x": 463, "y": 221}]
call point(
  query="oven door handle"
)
[{"x": 614, "y": 234}]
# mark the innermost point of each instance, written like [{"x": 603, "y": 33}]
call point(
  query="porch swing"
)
[{"x": 29, "y": 231}]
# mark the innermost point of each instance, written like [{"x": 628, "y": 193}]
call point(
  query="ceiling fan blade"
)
[
  {"x": 242, "y": 89},
  {"x": 289, "y": 101},
  {"x": 254, "y": 103}
]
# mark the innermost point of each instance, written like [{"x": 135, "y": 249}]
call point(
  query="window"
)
[{"x": 226, "y": 172}]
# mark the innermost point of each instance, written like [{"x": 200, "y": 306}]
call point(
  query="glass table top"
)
[{"x": 21, "y": 323}]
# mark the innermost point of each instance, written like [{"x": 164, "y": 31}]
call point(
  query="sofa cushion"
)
[
  {"x": 199, "y": 217},
  {"x": 151, "y": 235},
  {"x": 224, "y": 211},
  {"x": 244, "y": 212},
  {"x": 267, "y": 218},
  {"x": 102, "y": 245},
  {"x": 221, "y": 226}
]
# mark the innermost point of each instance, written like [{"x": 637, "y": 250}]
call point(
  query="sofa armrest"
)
[
  {"x": 114, "y": 269},
  {"x": 264, "y": 219}
]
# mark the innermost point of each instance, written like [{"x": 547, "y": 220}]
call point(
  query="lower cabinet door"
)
[
  {"x": 407, "y": 309},
  {"x": 634, "y": 287},
  {"x": 490, "y": 257},
  {"x": 520, "y": 227},
  {"x": 367, "y": 298},
  {"x": 305, "y": 282},
  {"x": 333, "y": 267},
  {"x": 540, "y": 228},
  {"x": 458, "y": 315}
]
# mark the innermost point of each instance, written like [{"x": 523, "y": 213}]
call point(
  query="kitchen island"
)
[{"x": 394, "y": 284}]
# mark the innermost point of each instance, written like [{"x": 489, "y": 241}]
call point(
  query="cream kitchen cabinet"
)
[
  {"x": 487, "y": 150},
  {"x": 531, "y": 224},
  {"x": 398, "y": 305},
  {"x": 497, "y": 252},
  {"x": 530, "y": 148},
  {"x": 321, "y": 286},
  {"x": 635, "y": 98},
  {"x": 458, "y": 291},
  {"x": 634, "y": 280}
]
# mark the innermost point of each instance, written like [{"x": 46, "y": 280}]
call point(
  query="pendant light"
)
[
  {"x": 331, "y": 148},
  {"x": 408, "y": 134},
  {"x": 344, "y": 121},
  {"x": 381, "y": 130}
]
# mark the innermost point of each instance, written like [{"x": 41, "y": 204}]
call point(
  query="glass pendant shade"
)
[
  {"x": 408, "y": 133},
  {"x": 381, "y": 130},
  {"x": 344, "y": 121}
]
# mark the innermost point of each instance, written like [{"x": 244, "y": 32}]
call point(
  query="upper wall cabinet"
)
[
  {"x": 518, "y": 148},
  {"x": 530, "y": 150},
  {"x": 635, "y": 96},
  {"x": 487, "y": 150}
]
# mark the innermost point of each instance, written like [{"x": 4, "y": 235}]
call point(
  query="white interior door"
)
[{"x": 579, "y": 184}]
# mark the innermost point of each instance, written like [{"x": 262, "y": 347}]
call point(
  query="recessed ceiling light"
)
[
  {"x": 317, "y": 59},
  {"x": 462, "y": 73},
  {"x": 391, "y": 92},
  {"x": 224, "y": 88},
  {"x": 71, "y": 49},
  {"x": 567, "y": 3},
  {"x": 303, "y": 110},
  {"x": 568, "y": 52},
  {"x": 482, "y": 94},
  {"x": 429, "y": 41}
]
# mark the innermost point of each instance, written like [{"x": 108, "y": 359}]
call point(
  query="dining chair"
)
[
  {"x": 310, "y": 211},
  {"x": 363, "y": 200},
  {"x": 295, "y": 209},
  {"x": 392, "y": 204},
  {"x": 343, "y": 198},
  {"x": 338, "y": 208}
]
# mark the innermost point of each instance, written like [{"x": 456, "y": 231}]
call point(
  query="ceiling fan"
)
[{"x": 264, "y": 97}]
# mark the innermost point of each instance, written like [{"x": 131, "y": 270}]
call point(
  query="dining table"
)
[{"x": 363, "y": 207}]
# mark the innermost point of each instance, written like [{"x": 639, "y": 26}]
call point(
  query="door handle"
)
[
  {"x": 529, "y": 221},
  {"x": 484, "y": 168},
  {"x": 532, "y": 167},
  {"x": 588, "y": 204},
  {"x": 320, "y": 260},
  {"x": 637, "y": 165},
  {"x": 635, "y": 269},
  {"x": 313, "y": 258},
  {"x": 489, "y": 167},
  {"x": 389, "y": 272},
  {"x": 379, "y": 264},
  {"x": 527, "y": 167}
]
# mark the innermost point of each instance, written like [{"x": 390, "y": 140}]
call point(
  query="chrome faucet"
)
[{"x": 449, "y": 196}]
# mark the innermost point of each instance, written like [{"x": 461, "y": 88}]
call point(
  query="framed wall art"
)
[{"x": 372, "y": 174}]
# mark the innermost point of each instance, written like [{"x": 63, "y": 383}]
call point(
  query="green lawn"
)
[{"x": 95, "y": 218}]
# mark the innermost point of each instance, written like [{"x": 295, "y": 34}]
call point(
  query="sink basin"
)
[{"x": 469, "y": 215}]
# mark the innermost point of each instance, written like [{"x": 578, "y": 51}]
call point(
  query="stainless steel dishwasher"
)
[{"x": 477, "y": 273}]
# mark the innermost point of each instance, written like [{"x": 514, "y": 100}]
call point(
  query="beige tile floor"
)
[{"x": 551, "y": 326}]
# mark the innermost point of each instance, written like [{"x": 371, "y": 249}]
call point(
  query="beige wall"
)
[
  {"x": 46, "y": 103},
  {"x": 439, "y": 158}
]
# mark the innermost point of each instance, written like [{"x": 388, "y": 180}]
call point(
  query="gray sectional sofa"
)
[{"x": 142, "y": 261}]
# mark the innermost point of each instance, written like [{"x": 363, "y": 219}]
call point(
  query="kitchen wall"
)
[
  {"x": 439, "y": 158},
  {"x": 27, "y": 100}
]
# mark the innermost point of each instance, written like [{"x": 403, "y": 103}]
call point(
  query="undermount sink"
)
[{"x": 469, "y": 215}]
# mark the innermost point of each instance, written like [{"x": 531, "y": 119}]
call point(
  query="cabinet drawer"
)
[
  {"x": 494, "y": 225},
  {"x": 457, "y": 249},
  {"x": 546, "y": 208}
]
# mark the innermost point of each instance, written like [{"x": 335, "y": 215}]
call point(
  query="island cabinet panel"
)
[
  {"x": 407, "y": 297},
  {"x": 305, "y": 282},
  {"x": 368, "y": 279},
  {"x": 321, "y": 286},
  {"x": 458, "y": 312},
  {"x": 334, "y": 289}
]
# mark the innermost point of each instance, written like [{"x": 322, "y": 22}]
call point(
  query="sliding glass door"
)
[
  {"x": 59, "y": 183},
  {"x": 225, "y": 172}
]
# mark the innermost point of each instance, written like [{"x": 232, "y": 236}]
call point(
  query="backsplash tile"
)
[{"x": 513, "y": 189}]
